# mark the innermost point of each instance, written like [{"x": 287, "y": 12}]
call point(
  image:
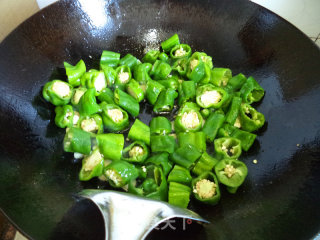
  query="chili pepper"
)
[
  {"x": 233, "y": 112},
  {"x": 170, "y": 83},
  {"x": 111, "y": 145},
  {"x": 87, "y": 77},
  {"x": 163, "y": 57},
  {"x": 212, "y": 125},
  {"x": 127, "y": 102},
  {"x": 220, "y": 76},
  {"x": 114, "y": 118},
  {"x": 77, "y": 94},
  {"x": 188, "y": 120},
  {"x": 206, "y": 59},
  {"x": 235, "y": 83},
  {"x": 134, "y": 89},
  {"x": 160, "y": 70},
  {"x": 250, "y": 118},
  {"x": 205, "y": 113},
  {"x": 76, "y": 119},
  {"x": 185, "y": 156},
  {"x": 110, "y": 74},
  {"x": 195, "y": 69},
  {"x": 153, "y": 90},
  {"x": 107, "y": 96},
  {"x": 130, "y": 61},
  {"x": 110, "y": 59},
  {"x": 180, "y": 51},
  {"x": 74, "y": 73},
  {"x": 165, "y": 101},
  {"x": 57, "y": 92},
  {"x": 161, "y": 159},
  {"x": 92, "y": 166},
  {"x": 180, "y": 66},
  {"x": 197, "y": 139},
  {"x": 137, "y": 152},
  {"x": 251, "y": 91},
  {"x": 226, "y": 130},
  {"x": 77, "y": 140},
  {"x": 168, "y": 44},
  {"x": 64, "y": 116},
  {"x": 151, "y": 56},
  {"x": 188, "y": 106},
  {"x": 139, "y": 132},
  {"x": 246, "y": 138},
  {"x": 227, "y": 147},
  {"x": 98, "y": 82},
  {"x": 162, "y": 143},
  {"x": 92, "y": 124},
  {"x": 207, "y": 75},
  {"x": 88, "y": 103},
  {"x": 206, "y": 188},
  {"x": 141, "y": 72},
  {"x": 123, "y": 76},
  {"x": 231, "y": 172},
  {"x": 204, "y": 164},
  {"x": 179, "y": 194},
  {"x": 187, "y": 92},
  {"x": 180, "y": 175},
  {"x": 160, "y": 125},
  {"x": 209, "y": 96},
  {"x": 119, "y": 173}
]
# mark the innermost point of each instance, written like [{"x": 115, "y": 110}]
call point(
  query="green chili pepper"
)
[
  {"x": 111, "y": 145},
  {"x": 179, "y": 194},
  {"x": 180, "y": 51},
  {"x": 137, "y": 152},
  {"x": 92, "y": 166},
  {"x": 106, "y": 96},
  {"x": 88, "y": 103},
  {"x": 227, "y": 147},
  {"x": 165, "y": 101},
  {"x": 185, "y": 156},
  {"x": 220, "y": 76},
  {"x": 77, "y": 140},
  {"x": 195, "y": 69},
  {"x": 187, "y": 92},
  {"x": 130, "y": 61},
  {"x": 161, "y": 159},
  {"x": 119, "y": 173},
  {"x": 209, "y": 96},
  {"x": 110, "y": 59},
  {"x": 160, "y": 70},
  {"x": 231, "y": 172},
  {"x": 77, "y": 94},
  {"x": 250, "y": 118},
  {"x": 163, "y": 57},
  {"x": 204, "y": 164},
  {"x": 205, "y": 112},
  {"x": 153, "y": 91},
  {"x": 187, "y": 106},
  {"x": 246, "y": 138},
  {"x": 233, "y": 112},
  {"x": 92, "y": 124},
  {"x": 123, "y": 76},
  {"x": 162, "y": 143},
  {"x": 180, "y": 175},
  {"x": 114, "y": 118},
  {"x": 86, "y": 77},
  {"x": 181, "y": 66},
  {"x": 64, "y": 116},
  {"x": 212, "y": 125},
  {"x": 207, "y": 75},
  {"x": 251, "y": 91},
  {"x": 235, "y": 83},
  {"x": 197, "y": 139},
  {"x": 127, "y": 102},
  {"x": 134, "y": 89},
  {"x": 109, "y": 73},
  {"x": 139, "y": 132},
  {"x": 57, "y": 92},
  {"x": 151, "y": 56},
  {"x": 160, "y": 125},
  {"x": 206, "y": 188},
  {"x": 206, "y": 59},
  {"x": 188, "y": 120},
  {"x": 98, "y": 82},
  {"x": 168, "y": 44},
  {"x": 74, "y": 73},
  {"x": 141, "y": 72}
]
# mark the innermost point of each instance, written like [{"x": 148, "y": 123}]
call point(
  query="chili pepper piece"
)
[
  {"x": 127, "y": 102},
  {"x": 179, "y": 194},
  {"x": 204, "y": 164},
  {"x": 162, "y": 143},
  {"x": 92, "y": 166},
  {"x": 227, "y": 147},
  {"x": 64, "y": 116},
  {"x": 111, "y": 145},
  {"x": 160, "y": 125},
  {"x": 139, "y": 131},
  {"x": 74, "y": 73},
  {"x": 57, "y": 92},
  {"x": 77, "y": 140},
  {"x": 137, "y": 152},
  {"x": 180, "y": 175},
  {"x": 185, "y": 156},
  {"x": 114, "y": 118}
]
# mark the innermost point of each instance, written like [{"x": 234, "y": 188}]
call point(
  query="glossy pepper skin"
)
[
  {"x": 64, "y": 116},
  {"x": 180, "y": 175},
  {"x": 130, "y": 61},
  {"x": 92, "y": 124},
  {"x": 160, "y": 126},
  {"x": 123, "y": 76},
  {"x": 188, "y": 120},
  {"x": 151, "y": 56},
  {"x": 180, "y": 66},
  {"x": 162, "y": 160},
  {"x": 227, "y": 147},
  {"x": 160, "y": 70},
  {"x": 77, "y": 94},
  {"x": 126, "y": 102},
  {"x": 134, "y": 89},
  {"x": 77, "y": 140},
  {"x": 139, "y": 131},
  {"x": 187, "y": 92},
  {"x": 170, "y": 83},
  {"x": 52, "y": 94},
  {"x": 111, "y": 145},
  {"x": 106, "y": 96},
  {"x": 162, "y": 143},
  {"x": 110, "y": 74},
  {"x": 233, "y": 111},
  {"x": 88, "y": 103},
  {"x": 220, "y": 94},
  {"x": 250, "y": 119},
  {"x": 110, "y": 59},
  {"x": 235, "y": 83},
  {"x": 179, "y": 194},
  {"x": 185, "y": 156},
  {"x": 204, "y": 164},
  {"x": 98, "y": 82},
  {"x": 180, "y": 51},
  {"x": 141, "y": 73},
  {"x": 154, "y": 89},
  {"x": 136, "y": 152},
  {"x": 251, "y": 91},
  {"x": 163, "y": 57},
  {"x": 114, "y": 118},
  {"x": 197, "y": 139},
  {"x": 206, "y": 197},
  {"x": 165, "y": 101},
  {"x": 220, "y": 76},
  {"x": 92, "y": 166},
  {"x": 212, "y": 125},
  {"x": 74, "y": 73},
  {"x": 168, "y": 44}
]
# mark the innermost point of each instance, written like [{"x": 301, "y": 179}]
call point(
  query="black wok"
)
[{"x": 280, "y": 198}]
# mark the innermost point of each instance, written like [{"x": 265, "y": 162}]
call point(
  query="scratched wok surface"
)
[{"x": 280, "y": 198}]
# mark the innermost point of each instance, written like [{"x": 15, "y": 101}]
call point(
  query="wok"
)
[{"x": 280, "y": 198}]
